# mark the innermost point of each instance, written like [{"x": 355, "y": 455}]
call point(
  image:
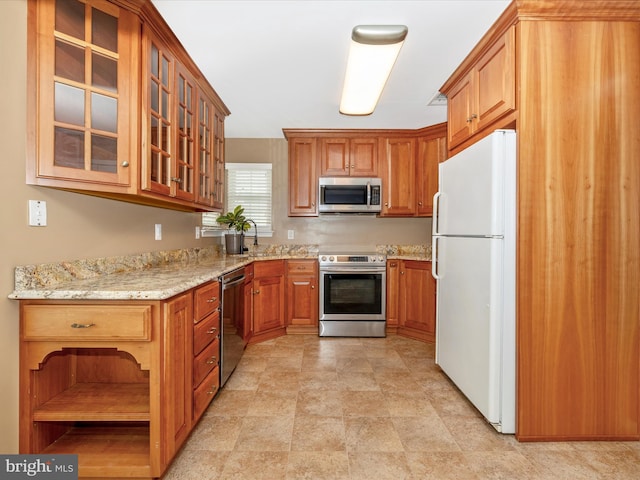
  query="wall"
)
[
  {"x": 331, "y": 232},
  {"x": 79, "y": 226},
  {"x": 82, "y": 226}
]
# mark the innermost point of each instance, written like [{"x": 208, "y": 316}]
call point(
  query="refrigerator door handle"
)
[
  {"x": 436, "y": 205},
  {"x": 434, "y": 258}
]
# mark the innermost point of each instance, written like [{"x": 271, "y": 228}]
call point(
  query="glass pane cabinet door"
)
[
  {"x": 205, "y": 154},
  {"x": 184, "y": 177},
  {"x": 83, "y": 112},
  {"x": 218, "y": 161},
  {"x": 157, "y": 103}
]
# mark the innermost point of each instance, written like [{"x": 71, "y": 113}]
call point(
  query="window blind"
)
[{"x": 249, "y": 185}]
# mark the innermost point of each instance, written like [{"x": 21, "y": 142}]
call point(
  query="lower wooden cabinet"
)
[
  {"x": 302, "y": 296},
  {"x": 268, "y": 300},
  {"x": 120, "y": 383},
  {"x": 411, "y": 299}
]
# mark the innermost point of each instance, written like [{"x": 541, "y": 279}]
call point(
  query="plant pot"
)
[{"x": 233, "y": 243}]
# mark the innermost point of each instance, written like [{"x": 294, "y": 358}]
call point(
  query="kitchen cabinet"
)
[
  {"x": 417, "y": 301},
  {"x": 114, "y": 107},
  {"x": 303, "y": 177},
  {"x": 356, "y": 157},
  {"x": 485, "y": 93},
  {"x": 302, "y": 296},
  {"x": 393, "y": 293},
  {"x": 398, "y": 172},
  {"x": 577, "y": 322},
  {"x": 268, "y": 300},
  {"x": 82, "y": 96},
  {"x": 107, "y": 380},
  {"x": 205, "y": 381},
  {"x": 431, "y": 151},
  {"x": 411, "y": 299}
]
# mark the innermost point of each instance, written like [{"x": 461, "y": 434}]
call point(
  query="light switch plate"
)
[
  {"x": 290, "y": 234},
  {"x": 37, "y": 213},
  {"x": 158, "y": 231}
]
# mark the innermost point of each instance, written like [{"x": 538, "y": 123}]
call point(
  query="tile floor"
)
[{"x": 304, "y": 407}]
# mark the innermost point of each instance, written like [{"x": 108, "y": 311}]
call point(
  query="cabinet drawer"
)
[
  {"x": 206, "y": 300},
  {"x": 87, "y": 322},
  {"x": 268, "y": 268},
  {"x": 206, "y": 361},
  {"x": 203, "y": 395},
  {"x": 303, "y": 267},
  {"x": 204, "y": 332}
]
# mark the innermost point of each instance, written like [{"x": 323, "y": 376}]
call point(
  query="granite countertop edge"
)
[{"x": 156, "y": 275}]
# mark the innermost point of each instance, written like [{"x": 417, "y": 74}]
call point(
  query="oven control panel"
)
[{"x": 352, "y": 259}]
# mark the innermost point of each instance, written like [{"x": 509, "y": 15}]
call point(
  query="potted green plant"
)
[{"x": 236, "y": 224}]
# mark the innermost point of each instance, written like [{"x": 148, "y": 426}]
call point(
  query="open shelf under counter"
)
[{"x": 98, "y": 402}]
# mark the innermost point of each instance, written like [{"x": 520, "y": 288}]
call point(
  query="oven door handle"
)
[{"x": 352, "y": 270}]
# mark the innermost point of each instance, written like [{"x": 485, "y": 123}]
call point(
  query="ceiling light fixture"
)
[{"x": 374, "y": 49}]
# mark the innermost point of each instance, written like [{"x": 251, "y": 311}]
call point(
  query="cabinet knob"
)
[
  {"x": 353, "y": 166},
  {"x": 256, "y": 292},
  {"x": 125, "y": 164},
  {"x": 419, "y": 204},
  {"x": 312, "y": 287},
  {"x": 471, "y": 118},
  {"x": 401, "y": 273},
  {"x": 386, "y": 204}
]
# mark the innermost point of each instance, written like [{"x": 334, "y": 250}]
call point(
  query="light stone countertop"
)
[{"x": 158, "y": 275}]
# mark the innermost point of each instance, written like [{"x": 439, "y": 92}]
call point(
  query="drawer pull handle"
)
[
  {"x": 213, "y": 390},
  {"x": 212, "y": 299},
  {"x": 212, "y": 360},
  {"x": 212, "y": 330},
  {"x": 82, "y": 325}
]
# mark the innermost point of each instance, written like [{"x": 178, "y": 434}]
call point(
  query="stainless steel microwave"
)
[{"x": 350, "y": 195}]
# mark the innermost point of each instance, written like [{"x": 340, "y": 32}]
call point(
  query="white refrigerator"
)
[{"x": 473, "y": 249}]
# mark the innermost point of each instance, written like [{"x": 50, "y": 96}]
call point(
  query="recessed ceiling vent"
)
[{"x": 438, "y": 100}]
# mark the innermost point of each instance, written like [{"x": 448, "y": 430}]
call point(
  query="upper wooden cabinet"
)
[
  {"x": 83, "y": 85},
  {"x": 485, "y": 93},
  {"x": 406, "y": 160},
  {"x": 356, "y": 157},
  {"x": 398, "y": 172},
  {"x": 303, "y": 177},
  {"x": 115, "y": 107}
]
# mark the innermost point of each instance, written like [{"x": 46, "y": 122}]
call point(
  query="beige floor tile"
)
[
  {"x": 312, "y": 433},
  {"x": 254, "y": 466},
  {"x": 440, "y": 466},
  {"x": 305, "y": 407},
  {"x": 318, "y": 466},
  {"x": 371, "y": 434},
  {"x": 200, "y": 464},
  {"x": 326, "y": 403},
  {"x": 424, "y": 434},
  {"x": 231, "y": 403},
  {"x": 273, "y": 403},
  {"x": 379, "y": 466},
  {"x": 364, "y": 404},
  {"x": 265, "y": 434},
  {"x": 215, "y": 434}
]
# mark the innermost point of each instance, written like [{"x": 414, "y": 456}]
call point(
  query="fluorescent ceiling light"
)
[{"x": 374, "y": 49}]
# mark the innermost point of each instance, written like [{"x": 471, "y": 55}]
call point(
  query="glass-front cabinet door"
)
[
  {"x": 205, "y": 150},
  {"x": 85, "y": 93}
]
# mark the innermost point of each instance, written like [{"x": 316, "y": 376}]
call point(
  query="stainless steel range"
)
[{"x": 352, "y": 295}]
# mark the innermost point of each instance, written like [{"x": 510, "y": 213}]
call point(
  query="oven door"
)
[{"x": 352, "y": 294}]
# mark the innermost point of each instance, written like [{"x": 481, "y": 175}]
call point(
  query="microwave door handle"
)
[{"x": 368, "y": 194}]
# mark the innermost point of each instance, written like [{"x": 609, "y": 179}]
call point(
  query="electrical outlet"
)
[
  {"x": 290, "y": 234},
  {"x": 158, "y": 231}
]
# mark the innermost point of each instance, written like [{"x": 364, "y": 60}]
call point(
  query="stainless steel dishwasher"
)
[{"x": 233, "y": 343}]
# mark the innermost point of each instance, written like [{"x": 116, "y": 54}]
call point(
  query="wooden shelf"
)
[
  {"x": 116, "y": 451},
  {"x": 97, "y": 402}
]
